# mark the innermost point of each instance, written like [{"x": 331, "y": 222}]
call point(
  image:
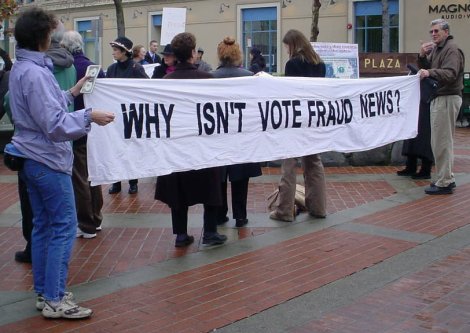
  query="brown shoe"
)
[{"x": 274, "y": 215}]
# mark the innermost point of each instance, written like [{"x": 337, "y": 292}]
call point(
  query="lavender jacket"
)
[{"x": 43, "y": 127}]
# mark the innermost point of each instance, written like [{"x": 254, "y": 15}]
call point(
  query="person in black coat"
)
[
  {"x": 420, "y": 146},
  {"x": 168, "y": 63},
  {"x": 257, "y": 63},
  {"x": 230, "y": 59},
  {"x": 180, "y": 190},
  {"x": 124, "y": 68}
]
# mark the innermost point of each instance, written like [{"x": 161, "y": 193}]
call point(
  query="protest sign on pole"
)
[{"x": 173, "y": 22}]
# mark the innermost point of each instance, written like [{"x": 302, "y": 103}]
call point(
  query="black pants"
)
[
  {"x": 131, "y": 182},
  {"x": 88, "y": 199},
  {"x": 26, "y": 213},
  {"x": 239, "y": 199},
  {"x": 412, "y": 164},
  {"x": 179, "y": 219}
]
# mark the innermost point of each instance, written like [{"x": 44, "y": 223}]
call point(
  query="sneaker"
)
[
  {"x": 65, "y": 309},
  {"x": 40, "y": 301},
  {"x": 213, "y": 238},
  {"x": 99, "y": 228},
  {"x": 85, "y": 235},
  {"x": 274, "y": 215},
  {"x": 451, "y": 185}
]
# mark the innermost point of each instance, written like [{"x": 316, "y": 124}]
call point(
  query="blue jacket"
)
[{"x": 43, "y": 127}]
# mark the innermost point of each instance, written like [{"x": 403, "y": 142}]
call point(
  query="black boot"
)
[
  {"x": 115, "y": 188},
  {"x": 424, "y": 171},
  {"x": 133, "y": 189},
  {"x": 25, "y": 255},
  {"x": 410, "y": 168}
]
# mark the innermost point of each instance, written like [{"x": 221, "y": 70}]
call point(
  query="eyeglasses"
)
[{"x": 434, "y": 31}]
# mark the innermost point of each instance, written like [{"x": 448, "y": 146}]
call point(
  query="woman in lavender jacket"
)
[{"x": 43, "y": 130}]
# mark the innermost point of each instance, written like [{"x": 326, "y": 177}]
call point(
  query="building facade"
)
[{"x": 262, "y": 24}]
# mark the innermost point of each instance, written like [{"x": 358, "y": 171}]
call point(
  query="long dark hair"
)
[{"x": 299, "y": 46}]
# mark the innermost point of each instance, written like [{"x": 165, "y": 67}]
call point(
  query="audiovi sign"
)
[{"x": 452, "y": 11}]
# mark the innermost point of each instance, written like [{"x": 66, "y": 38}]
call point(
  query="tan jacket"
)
[{"x": 446, "y": 64}]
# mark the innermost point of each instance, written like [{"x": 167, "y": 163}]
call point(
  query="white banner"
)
[{"x": 163, "y": 126}]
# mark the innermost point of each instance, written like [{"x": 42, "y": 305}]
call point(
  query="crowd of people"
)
[{"x": 51, "y": 125}]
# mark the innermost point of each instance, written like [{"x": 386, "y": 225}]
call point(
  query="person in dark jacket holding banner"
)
[
  {"x": 303, "y": 61},
  {"x": 124, "y": 68},
  {"x": 230, "y": 58},
  {"x": 443, "y": 61},
  {"x": 420, "y": 146},
  {"x": 180, "y": 190}
]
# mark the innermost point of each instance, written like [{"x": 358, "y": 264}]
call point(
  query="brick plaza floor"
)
[{"x": 137, "y": 281}]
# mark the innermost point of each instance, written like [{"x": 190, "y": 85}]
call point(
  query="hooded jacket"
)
[{"x": 64, "y": 71}]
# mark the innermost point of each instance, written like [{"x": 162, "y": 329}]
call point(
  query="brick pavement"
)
[{"x": 246, "y": 283}]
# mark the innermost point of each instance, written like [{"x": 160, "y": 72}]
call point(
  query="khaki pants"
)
[
  {"x": 315, "y": 186},
  {"x": 444, "y": 112}
]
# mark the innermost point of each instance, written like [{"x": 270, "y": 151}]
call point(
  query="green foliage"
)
[{"x": 7, "y": 8}]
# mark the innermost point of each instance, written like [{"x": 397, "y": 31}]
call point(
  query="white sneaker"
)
[
  {"x": 85, "y": 234},
  {"x": 65, "y": 309},
  {"x": 99, "y": 228},
  {"x": 68, "y": 296}
]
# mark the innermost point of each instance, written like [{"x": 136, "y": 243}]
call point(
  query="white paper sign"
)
[
  {"x": 173, "y": 22},
  {"x": 341, "y": 59},
  {"x": 164, "y": 126}
]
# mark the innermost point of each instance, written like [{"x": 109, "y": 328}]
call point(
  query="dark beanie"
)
[{"x": 123, "y": 43}]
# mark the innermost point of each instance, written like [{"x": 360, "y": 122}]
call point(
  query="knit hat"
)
[{"x": 123, "y": 43}]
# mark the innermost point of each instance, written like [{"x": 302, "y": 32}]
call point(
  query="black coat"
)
[
  {"x": 149, "y": 59},
  {"x": 128, "y": 69},
  {"x": 420, "y": 146},
  {"x": 237, "y": 172},
  {"x": 187, "y": 188}
]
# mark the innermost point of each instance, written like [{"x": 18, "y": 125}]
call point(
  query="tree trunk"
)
[
  {"x": 315, "y": 14},
  {"x": 385, "y": 27},
  {"x": 121, "y": 27}
]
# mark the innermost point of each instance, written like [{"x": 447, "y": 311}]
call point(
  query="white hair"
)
[
  {"x": 442, "y": 23},
  {"x": 72, "y": 41}
]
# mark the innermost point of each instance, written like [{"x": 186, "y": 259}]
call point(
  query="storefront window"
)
[
  {"x": 259, "y": 29},
  {"x": 90, "y": 31},
  {"x": 368, "y": 31}
]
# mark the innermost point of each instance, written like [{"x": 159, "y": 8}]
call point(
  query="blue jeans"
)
[{"x": 54, "y": 227}]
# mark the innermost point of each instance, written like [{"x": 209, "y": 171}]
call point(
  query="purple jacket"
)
[
  {"x": 43, "y": 127},
  {"x": 81, "y": 63}
]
